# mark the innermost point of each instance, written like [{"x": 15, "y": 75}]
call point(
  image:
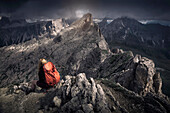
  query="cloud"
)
[
  {"x": 139, "y": 9},
  {"x": 81, "y": 12}
]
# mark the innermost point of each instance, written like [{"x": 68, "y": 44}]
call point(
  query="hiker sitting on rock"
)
[{"x": 48, "y": 75}]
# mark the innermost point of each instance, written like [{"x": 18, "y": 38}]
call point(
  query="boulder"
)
[
  {"x": 57, "y": 101},
  {"x": 81, "y": 95}
]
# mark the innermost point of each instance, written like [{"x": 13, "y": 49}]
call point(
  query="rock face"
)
[
  {"x": 157, "y": 83},
  {"x": 79, "y": 48},
  {"x": 133, "y": 33},
  {"x": 116, "y": 81},
  {"x": 19, "y": 31},
  {"x": 78, "y": 94},
  {"x": 135, "y": 73},
  {"x": 85, "y": 96},
  {"x": 150, "y": 40},
  {"x": 84, "y": 22},
  {"x": 75, "y": 49}
]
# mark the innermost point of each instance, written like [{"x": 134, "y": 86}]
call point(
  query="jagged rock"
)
[
  {"x": 130, "y": 32},
  {"x": 57, "y": 101},
  {"x": 79, "y": 51},
  {"x": 121, "y": 51},
  {"x": 136, "y": 73},
  {"x": 87, "y": 108},
  {"x": 76, "y": 51},
  {"x": 116, "y": 50},
  {"x": 84, "y": 22},
  {"x": 19, "y": 31},
  {"x": 81, "y": 95},
  {"x": 157, "y": 83},
  {"x": 144, "y": 76},
  {"x": 80, "y": 48},
  {"x": 145, "y": 39}
]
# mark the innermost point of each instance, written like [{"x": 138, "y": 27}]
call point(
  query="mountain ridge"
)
[
  {"x": 69, "y": 49},
  {"x": 125, "y": 25},
  {"x": 19, "y": 31},
  {"x": 93, "y": 78},
  {"x": 150, "y": 40}
]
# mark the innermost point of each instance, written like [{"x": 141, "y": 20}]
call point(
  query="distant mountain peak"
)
[{"x": 126, "y": 21}]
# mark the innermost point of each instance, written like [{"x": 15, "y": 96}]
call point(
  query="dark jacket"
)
[{"x": 41, "y": 74}]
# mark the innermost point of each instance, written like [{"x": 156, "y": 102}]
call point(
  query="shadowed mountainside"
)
[
  {"x": 19, "y": 31},
  {"x": 94, "y": 78},
  {"x": 149, "y": 40}
]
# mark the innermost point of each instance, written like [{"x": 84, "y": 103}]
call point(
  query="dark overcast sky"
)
[{"x": 139, "y": 9}]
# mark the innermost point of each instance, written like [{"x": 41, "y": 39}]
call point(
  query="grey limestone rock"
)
[
  {"x": 85, "y": 96},
  {"x": 57, "y": 101},
  {"x": 93, "y": 79},
  {"x": 77, "y": 51},
  {"x": 133, "y": 72}
]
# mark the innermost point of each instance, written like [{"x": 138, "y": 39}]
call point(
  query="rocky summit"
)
[
  {"x": 93, "y": 78},
  {"x": 81, "y": 95},
  {"x": 150, "y": 40},
  {"x": 78, "y": 48},
  {"x": 19, "y": 30},
  {"x": 130, "y": 31}
]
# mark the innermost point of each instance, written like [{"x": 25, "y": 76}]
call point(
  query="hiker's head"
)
[{"x": 42, "y": 62}]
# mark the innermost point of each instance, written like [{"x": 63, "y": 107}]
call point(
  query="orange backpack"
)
[{"x": 52, "y": 76}]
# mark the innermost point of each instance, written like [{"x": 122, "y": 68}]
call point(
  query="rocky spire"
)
[
  {"x": 79, "y": 95},
  {"x": 85, "y": 21}
]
